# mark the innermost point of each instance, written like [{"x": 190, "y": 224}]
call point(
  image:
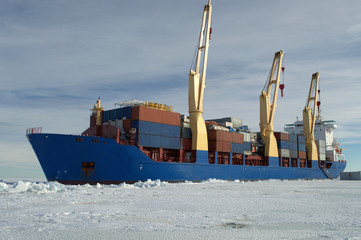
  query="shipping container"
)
[
  {"x": 237, "y": 148},
  {"x": 301, "y": 147},
  {"x": 186, "y": 133},
  {"x": 144, "y": 127},
  {"x": 293, "y": 146},
  {"x": 247, "y": 137},
  {"x": 127, "y": 112},
  {"x": 237, "y": 137},
  {"x": 217, "y": 135},
  {"x": 247, "y": 146},
  {"x": 301, "y": 139},
  {"x": 105, "y": 116},
  {"x": 282, "y": 136},
  {"x": 293, "y": 138},
  {"x": 112, "y": 115},
  {"x": 127, "y": 124},
  {"x": 219, "y": 146},
  {"x": 302, "y": 154},
  {"x": 155, "y": 141},
  {"x": 322, "y": 156},
  {"x": 293, "y": 154},
  {"x": 155, "y": 115},
  {"x": 283, "y": 144},
  {"x": 350, "y": 175},
  {"x": 119, "y": 113},
  {"x": 284, "y": 153}
]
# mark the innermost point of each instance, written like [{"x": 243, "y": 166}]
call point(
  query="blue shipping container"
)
[
  {"x": 240, "y": 148},
  {"x": 106, "y": 116},
  {"x": 144, "y": 127},
  {"x": 293, "y": 154},
  {"x": 283, "y": 144},
  {"x": 112, "y": 115},
  {"x": 293, "y": 146},
  {"x": 293, "y": 138},
  {"x": 237, "y": 148},
  {"x": 119, "y": 113},
  {"x": 186, "y": 133},
  {"x": 301, "y": 139},
  {"x": 127, "y": 112},
  {"x": 155, "y": 141},
  {"x": 302, "y": 147}
]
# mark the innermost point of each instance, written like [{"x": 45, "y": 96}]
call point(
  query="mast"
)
[
  {"x": 309, "y": 118},
  {"x": 196, "y": 88},
  {"x": 267, "y": 110}
]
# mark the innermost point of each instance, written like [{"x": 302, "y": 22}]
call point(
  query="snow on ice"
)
[{"x": 212, "y": 209}]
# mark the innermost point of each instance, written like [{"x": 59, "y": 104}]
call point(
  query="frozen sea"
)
[{"x": 213, "y": 209}]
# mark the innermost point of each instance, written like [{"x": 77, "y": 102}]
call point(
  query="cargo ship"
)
[{"x": 138, "y": 140}]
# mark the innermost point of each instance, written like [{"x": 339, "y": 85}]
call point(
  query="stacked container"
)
[
  {"x": 321, "y": 149},
  {"x": 156, "y": 128},
  {"x": 219, "y": 141},
  {"x": 301, "y": 147},
  {"x": 186, "y": 134},
  {"x": 283, "y": 143}
]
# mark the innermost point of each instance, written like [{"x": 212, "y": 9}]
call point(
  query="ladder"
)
[{"x": 326, "y": 173}]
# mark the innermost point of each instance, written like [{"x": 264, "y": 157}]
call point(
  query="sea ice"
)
[{"x": 212, "y": 209}]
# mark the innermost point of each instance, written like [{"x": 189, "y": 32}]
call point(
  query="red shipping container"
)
[
  {"x": 226, "y": 147},
  {"x": 217, "y": 135},
  {"x": 301, "y": 154},
  {"x": 215, "y": 146},
  {"x": 237, "y": 137},
  {"x": 219, "y": 146},
  {"x": 212, "y": 135},
  {"x": 282, "y": 136},
  {"x": 93, "y": 120},
  {"x": 187, "y": 144},
  {"x": 227, "y": 136},
  {"x": 155, "y": 115},
  {"x": 127, "y": 124}
]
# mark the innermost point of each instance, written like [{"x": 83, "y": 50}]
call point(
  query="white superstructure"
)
[{"x": 323, "y": 132}]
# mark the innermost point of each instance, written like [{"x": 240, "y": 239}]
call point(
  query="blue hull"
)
[{"x": 62, "y": 159}]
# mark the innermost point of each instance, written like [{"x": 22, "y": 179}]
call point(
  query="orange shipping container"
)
[{"x": 155, "y": 115}]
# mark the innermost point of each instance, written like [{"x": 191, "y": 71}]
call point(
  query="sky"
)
[{"x": 57, "y": 57}]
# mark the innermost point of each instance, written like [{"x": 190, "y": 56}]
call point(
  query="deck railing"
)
[{"x": 34, "y": 130}]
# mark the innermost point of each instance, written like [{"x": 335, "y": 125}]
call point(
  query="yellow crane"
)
[
  {"x": 267, "y": 109},
  {"x": 309, "y": 119},
  {"x": 98, "y": 109},
  {"x": 197, "y": 83}
]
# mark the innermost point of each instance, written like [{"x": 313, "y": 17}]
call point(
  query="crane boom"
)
[
  {"x": 196, "y": 86},
  {"x": 309, "y": 118},
  {"x": 267, "y": 110}
]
